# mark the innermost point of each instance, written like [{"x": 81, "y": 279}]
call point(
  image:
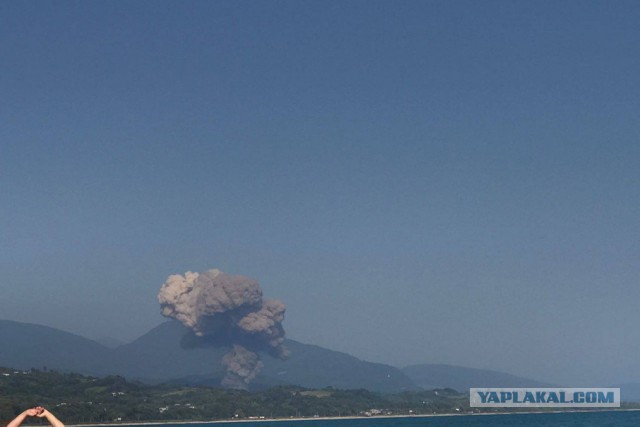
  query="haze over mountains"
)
[
  {"x": 163, "y": 355},
  {"x": 160, "y": 355}
]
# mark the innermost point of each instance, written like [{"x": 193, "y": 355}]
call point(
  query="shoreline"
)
[{"x": 352, "y": 417}]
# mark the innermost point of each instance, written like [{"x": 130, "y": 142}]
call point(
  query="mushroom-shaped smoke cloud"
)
[{"x": 227, "y": 310}]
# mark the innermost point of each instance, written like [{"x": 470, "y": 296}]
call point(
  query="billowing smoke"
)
[
  {"x": 242, "y": 367},
  {"x": 227, "y": 310}
]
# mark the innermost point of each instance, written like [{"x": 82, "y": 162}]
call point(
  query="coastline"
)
[{"x": 353, "y": 417}]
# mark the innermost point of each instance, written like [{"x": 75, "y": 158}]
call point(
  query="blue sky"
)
[{"x": 418, "y": 181}]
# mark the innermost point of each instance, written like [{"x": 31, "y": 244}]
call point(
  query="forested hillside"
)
[{"x": 83, "y": 399}]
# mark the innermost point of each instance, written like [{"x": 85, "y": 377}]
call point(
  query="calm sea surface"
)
[{"x": 614, "y": 418}]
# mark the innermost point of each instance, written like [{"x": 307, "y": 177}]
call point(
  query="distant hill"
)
[
  {"x": 26, "y": 346},
  {"x": 431, "y": 376},
  {"x": 160, "y": 356},
  {"x": 109, "y": 342},
  {"x": 315, "y": 366}
]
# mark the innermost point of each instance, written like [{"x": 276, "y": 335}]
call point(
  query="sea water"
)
[{"x": 566, "y": 419}]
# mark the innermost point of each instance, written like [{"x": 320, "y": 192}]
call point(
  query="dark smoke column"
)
[{"x": 227, "y": 310}]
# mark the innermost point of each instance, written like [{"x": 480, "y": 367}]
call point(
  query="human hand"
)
[
  {"x": 40, "y": 411},
  {"x": 32, "y": 412}
]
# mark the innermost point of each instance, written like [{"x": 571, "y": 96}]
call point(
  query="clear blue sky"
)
[{"x": 418, "y": 181}]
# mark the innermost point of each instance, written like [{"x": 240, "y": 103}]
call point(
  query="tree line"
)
[{"x": 80, "y": 399}]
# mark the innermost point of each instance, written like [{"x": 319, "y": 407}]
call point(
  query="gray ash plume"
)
[
  {"x": 242, "y": 367},
  {"x": 227, "y": 310}
]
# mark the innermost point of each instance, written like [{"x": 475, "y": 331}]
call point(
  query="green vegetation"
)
[{"x": 78, "y": 399}]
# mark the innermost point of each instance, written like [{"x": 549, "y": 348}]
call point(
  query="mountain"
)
[
  {"x": 26, "y": 346},
  {"x": 161, "y": 355},
  {"x": 316, "y": 366},
  {"x": 430, "y": 376},
  {"x": 109, "y": 342},
  {"x": 165, "y": 354}
]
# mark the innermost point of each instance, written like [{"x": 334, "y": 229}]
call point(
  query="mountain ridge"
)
[
  {"x": 461, "y": 379},
  {"x": 161, "y": 355}
]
